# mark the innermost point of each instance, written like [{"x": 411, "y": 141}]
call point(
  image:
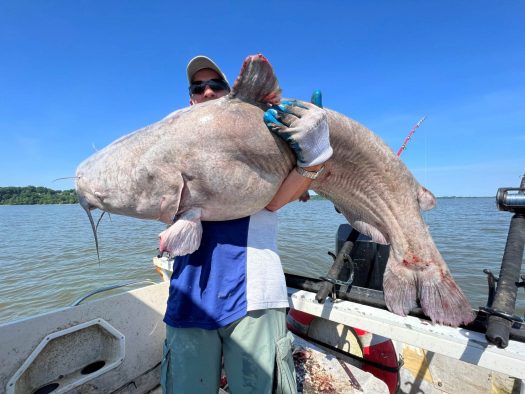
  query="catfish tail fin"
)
[{"x": 439, "y": 296}]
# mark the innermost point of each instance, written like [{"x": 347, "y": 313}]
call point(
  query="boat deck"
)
[{"x": 120, "y": 339}]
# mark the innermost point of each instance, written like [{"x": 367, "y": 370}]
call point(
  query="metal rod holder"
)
[{"x": 501, "y": 311}]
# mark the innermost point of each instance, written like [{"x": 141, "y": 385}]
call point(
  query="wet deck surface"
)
[
  {"x": 318, "y": 373},
  {"x": 158, "y": 390}
]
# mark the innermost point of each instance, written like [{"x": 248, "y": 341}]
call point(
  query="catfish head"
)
[
  {"x": 211, "y": 161},
  {"x": 120, "y": 179}
]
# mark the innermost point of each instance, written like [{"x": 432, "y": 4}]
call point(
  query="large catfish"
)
[{"x": 218, "y": 161}]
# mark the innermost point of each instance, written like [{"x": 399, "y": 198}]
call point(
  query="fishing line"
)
[
  {"x": 426, "y": 168},
  {"x": 407, "y": 139},
  {"x": 426, "y": 157}
]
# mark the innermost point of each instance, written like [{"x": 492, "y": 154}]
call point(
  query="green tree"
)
[{"x": 30, "y": 195}]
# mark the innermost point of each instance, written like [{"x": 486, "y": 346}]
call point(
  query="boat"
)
[
  {"x": 345, "y": 340},
  {"x": 114, "y": 345}
]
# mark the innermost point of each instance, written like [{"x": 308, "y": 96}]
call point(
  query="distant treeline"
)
[{"x": 31, "y": 195}]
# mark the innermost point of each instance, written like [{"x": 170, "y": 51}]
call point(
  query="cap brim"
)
[{"x": 200, "y": 62}]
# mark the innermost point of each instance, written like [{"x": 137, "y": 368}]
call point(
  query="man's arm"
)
[
  {"x": 304, "y": 127},
  {"x": 292, "y": 188}
]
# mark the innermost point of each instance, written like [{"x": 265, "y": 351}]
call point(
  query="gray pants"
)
[{"x": 256, "y": 350}]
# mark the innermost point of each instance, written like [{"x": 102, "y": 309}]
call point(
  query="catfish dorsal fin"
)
[{"x": 257, "y": 82}]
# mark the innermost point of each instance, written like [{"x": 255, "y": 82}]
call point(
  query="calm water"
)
[{"x": 48, "y": 258}]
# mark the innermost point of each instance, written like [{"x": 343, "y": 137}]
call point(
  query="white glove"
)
[{"x": 304, "y": 127}]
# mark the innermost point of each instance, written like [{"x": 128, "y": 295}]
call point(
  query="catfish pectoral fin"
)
[
  {"x": 367, "y": 229},
  {"x": 184, "y": 236}
]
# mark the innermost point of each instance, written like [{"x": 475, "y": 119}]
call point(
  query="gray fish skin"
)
[
  {"x": 377, "y": 193},
  {"x": 218, "y": 161},
  {"x": 189, "y": 160}
]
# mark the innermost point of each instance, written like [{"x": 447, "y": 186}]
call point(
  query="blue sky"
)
[{"x": 75, "y": 75}]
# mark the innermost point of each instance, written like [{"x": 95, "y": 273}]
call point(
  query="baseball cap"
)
[{"x": 200, "y": 62}]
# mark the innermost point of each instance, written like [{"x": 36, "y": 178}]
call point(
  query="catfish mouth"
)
[
  {"x": 92, "y": 201},
  {"x": 88, "y": 198}
]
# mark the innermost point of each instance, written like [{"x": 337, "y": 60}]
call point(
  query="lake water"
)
[{"x": 48, "y": 258}]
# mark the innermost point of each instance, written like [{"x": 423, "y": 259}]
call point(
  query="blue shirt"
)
[{"x": 235, "y": 269}]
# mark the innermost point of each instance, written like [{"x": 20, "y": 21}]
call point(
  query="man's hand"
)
[
  {"x": 304, "y": 127},
  {"x": 304, "y": 197}
]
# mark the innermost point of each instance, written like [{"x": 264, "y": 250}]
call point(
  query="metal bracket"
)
[
  {"x": 337, "y": 282},
  {"x": 491, "y": 279},
  {"x": 521, "y": 284},
  {"x": 341, "y": 261},
  {"x": 515, "y": 320}
]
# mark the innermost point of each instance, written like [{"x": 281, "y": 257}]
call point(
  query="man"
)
[{"x": 229, "y": 297}]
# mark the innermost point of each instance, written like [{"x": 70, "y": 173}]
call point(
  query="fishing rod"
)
[{"x": 410, "y": 135}]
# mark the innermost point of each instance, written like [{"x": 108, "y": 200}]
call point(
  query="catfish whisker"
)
[
  {"x": 66, "y": 177},
  {"x": 99, "y": 219},
  {"x": 85, "y": 205}
]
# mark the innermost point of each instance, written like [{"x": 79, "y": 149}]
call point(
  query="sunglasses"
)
[{"x": 217, "y": 85}]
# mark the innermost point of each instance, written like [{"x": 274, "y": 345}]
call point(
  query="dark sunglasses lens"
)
[
  {"x": 216, "y": 85},
  {"x": 197, "y": 88}
]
